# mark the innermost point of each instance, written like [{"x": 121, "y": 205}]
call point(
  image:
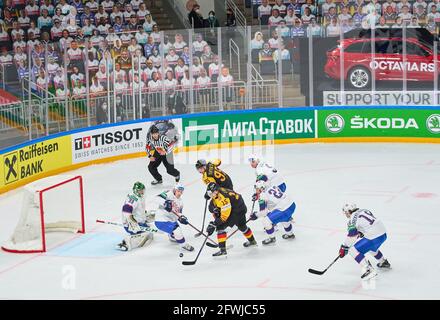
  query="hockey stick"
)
[
  {"x": 203, "y": 223},
  {"x": 191, "y": 263},
  {"x": 322, "y": 272},
  {"x": 212, "y": 245},
  {"x": 228, "y": 237},
  {"x": 150, "y": 229}
]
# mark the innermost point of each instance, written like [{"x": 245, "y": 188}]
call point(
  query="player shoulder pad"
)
[{"x": 216, "y": 162}]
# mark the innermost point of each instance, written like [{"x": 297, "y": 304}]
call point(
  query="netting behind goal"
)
[{"x": 49, "y": 205}]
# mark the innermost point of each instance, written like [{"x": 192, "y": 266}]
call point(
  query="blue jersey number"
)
[
  {"x": 367, "y": 215},
  {"x": 275, "y": 192}
]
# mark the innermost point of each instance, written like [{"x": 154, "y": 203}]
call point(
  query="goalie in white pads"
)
[
  {"x": 169, "y": 214},
  {"x": 366, "y": 234},
  {"x": 276, "y": 207},
  {"x": 266, "y": 172},
  {"x": 134, "y": 218}
]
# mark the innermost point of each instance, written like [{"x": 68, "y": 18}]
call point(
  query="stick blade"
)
[
  {"x": 317, "y": 272},
  {"x": 188, "y": 263},
  {"x": 198, "y": 235},
  {"x": 212, "y": 245}
]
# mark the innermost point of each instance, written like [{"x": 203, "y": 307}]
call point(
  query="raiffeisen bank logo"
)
[
  {"x": 334, "y": 123},
  {"x": 433, "y": 123}
]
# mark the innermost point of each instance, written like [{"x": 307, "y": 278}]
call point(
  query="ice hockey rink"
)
[{"x": 399, "y": 183}]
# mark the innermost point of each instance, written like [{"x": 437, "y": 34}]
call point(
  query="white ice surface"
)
[{"x": 398, "y": 182}]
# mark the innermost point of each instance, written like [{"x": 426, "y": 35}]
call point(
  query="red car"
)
[{"x": 387, "y": 62}]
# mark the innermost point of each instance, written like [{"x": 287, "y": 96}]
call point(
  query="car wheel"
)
[{"x": 359, "y": 78}]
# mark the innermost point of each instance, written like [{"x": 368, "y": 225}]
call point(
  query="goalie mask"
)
[{"x": 139, "y": 189}]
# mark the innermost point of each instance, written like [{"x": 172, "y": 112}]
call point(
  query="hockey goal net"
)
[{"x": 53, "y": 204}]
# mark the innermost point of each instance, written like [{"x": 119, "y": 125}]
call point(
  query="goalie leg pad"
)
[{"x": 138, "y": 240}]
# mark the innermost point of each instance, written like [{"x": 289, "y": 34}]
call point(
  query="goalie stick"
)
[
  {"x": 149, "y": 229},
  {"x": 322, "y": 272}
]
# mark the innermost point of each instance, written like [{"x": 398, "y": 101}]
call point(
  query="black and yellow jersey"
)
[
  {"x": 214, "y": 174},
  {"x": 229, "y": 202}
]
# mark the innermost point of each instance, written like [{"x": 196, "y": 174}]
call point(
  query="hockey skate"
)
[
  {"x": 178, "y": 178},
  {"x": 288, "y": 236},
  {"x": 384, "y": 264},
  {"x": 369, "y": 272},
  {"x": 171, "y": 238},
  {"x": 187, "y": 247},
  {"x": 123, "y": 246},
  {"x": 156, "y": 182},
  {"x": 221, "y": 253},
  {"x": 250, "y": 243},
  {"x": 269, "y": 241}
]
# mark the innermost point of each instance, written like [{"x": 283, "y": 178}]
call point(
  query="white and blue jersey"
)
[
  {"x": 268, "y": 173},
  {"x": 166, "y": 221},
  {"x": 135, "y": 206},
  {"x": 363, "y": 222},
  {"x": 276, "y": 205}
]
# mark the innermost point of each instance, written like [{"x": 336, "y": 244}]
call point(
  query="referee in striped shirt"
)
[{"x": 160, "y": 149}]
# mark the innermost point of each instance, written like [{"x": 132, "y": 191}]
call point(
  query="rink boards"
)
[{"x": 70, "y": 150}]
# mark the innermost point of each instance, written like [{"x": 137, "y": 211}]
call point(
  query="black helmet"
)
[
  {"x": 200, "y": 163},
  {"x": 212, "y": 186},
  {"x": 154, "y": 129}
]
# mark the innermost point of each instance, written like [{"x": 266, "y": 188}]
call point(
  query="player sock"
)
[{"x": 221, "y": 238}]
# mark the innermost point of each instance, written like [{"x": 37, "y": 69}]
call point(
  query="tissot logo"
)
[
  {"x": 107, "y": 138},
  {"x": 10, "y": 163},
  {"x": 82, "y": 143},
  {"x": 86, "y": 142}
]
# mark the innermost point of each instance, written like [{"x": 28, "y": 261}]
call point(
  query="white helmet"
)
[
  {"x": 260, "y": 184},
  {"x": 253, "y": 157},
  {"x": 179, "y": 186},
  {"x": 349, "y": 208}
]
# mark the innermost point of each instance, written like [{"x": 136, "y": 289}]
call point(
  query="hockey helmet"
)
[
  {"x": 179, "y": 186},
  {"x": 137, "y": 188},
  {"x": 212, "y": 187},
  {"x": 253, "y": 157},
  {"x": 200, "y": 163},
  {"x": 349, "y": 208}
]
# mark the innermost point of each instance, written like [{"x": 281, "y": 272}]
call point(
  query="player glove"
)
[
  {"x": 183, "y": 219},
  {"x": 343, "y": 251},
  {"x": 168, "y": 205},
  {"x": 253, "y": 216},
  {"x": 216, "y": 212},
  {"x": 133, "y": 226},
  {"x": 207, "y": 197},
  {"x": 210, "y": 228},
  {"x": 254, "y": 197}
]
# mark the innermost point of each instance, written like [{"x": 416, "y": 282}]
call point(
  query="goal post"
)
[{"x": 53, "y": 204}]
